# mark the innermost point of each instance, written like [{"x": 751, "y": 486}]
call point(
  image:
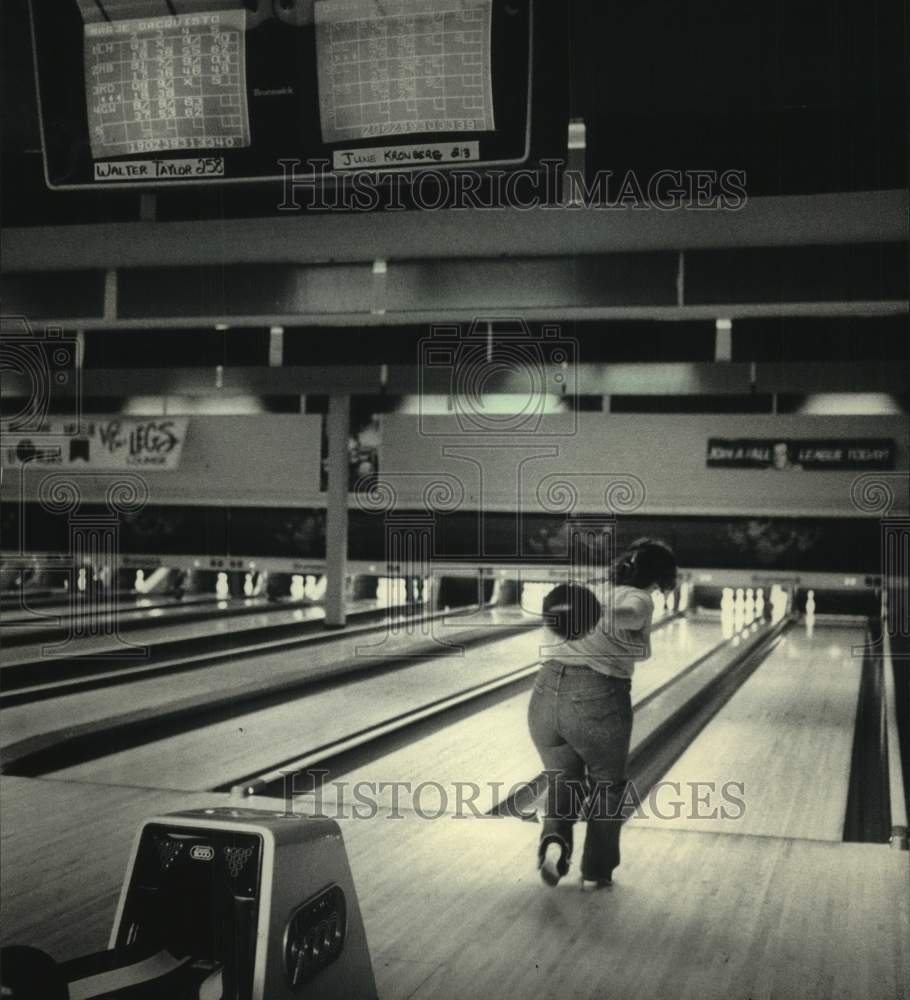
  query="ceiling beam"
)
[
  {"x": 645, "y": 378},
  {"x": 566, "y": 314},
  {"x": 803, "y": 220}
]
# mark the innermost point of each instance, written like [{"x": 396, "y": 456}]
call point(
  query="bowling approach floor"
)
[{"x": 454, "y": 906}]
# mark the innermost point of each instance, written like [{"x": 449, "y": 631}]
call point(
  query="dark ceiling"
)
[{"x": 804, "y": 96}]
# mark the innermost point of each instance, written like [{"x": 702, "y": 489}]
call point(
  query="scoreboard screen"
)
[
  {"x": 418, "y": 69},
  {"x": 167, "y": 83},
  {"x": 151, "y": 92}
]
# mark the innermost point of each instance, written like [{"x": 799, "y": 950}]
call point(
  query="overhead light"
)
[
  {"x": 723, "y": 340},
  {"x": 144, "y": 406},
  {"x": 222, "y": 327},
  {"x": 215, "y": 406},
  {"x": 276, "y": 346},
  {"x": 853, "y": 404}
]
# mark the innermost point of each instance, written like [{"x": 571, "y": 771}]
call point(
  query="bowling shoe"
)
[
  {"x": 553, "y": 862},
  {"x": 593, "y": 884}
]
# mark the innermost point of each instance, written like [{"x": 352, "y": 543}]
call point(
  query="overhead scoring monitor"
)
[
  {"x": 156, "y": 92},
  {"x": 167, "y": 84}
]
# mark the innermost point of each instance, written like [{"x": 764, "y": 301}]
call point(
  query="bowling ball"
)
[
  {"x": 573, "y": 611},
  {"x": 30, "y": 974}
]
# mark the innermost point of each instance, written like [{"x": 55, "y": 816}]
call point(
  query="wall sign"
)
[
  {"x": 813, "y": 455},
  {"x": 154, "y": 443}
]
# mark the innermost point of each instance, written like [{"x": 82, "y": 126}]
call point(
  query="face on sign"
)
[{"x": 781, "y": 458}]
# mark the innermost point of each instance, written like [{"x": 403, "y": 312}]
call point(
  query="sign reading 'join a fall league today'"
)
[{"x": 781, "y": 453}]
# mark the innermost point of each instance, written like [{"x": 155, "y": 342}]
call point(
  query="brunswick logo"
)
[{"x": 202, "y": 853}]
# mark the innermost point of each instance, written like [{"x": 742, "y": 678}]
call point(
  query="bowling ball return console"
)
[{"x": 220, "y": 904}]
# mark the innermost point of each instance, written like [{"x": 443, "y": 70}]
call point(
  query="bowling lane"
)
[
  {"x": 165, "y": 625},
  {"x": 312, "y": 657},
  {"x": 494, "y": 745},
  {"x": 226, "y": 751},
  {"x": 49, "y": 615},
  {"x": 786, "y": 737}
]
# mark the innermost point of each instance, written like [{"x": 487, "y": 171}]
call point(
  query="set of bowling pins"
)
[
  {"x": 740, "y": 608},
  {"x": 664, "y": 604},
  {"x": 310, "y": 587},
  {"x": 223, "y": 587}
]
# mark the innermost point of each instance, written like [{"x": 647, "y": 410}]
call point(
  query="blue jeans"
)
[{"x": 581, "y": 724}]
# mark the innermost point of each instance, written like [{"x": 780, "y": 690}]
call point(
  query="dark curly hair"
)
[{"x": 645, "y": 562}]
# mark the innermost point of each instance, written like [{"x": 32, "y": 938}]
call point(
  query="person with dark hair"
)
[{"x": 580, "y": 714}]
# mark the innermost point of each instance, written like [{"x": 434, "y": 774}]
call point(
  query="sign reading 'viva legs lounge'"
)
[
  {"x": 107, "y": 443},
  {"x": 814, "y": 455}
]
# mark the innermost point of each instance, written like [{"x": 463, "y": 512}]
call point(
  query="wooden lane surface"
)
[
  {"x": 51, "y": 615},
  {"x": 787, "y": 737},
  {"x": 495, "y": 746},
  {"x": 164, "y": 625},
  {"x": 242, "y": 672},
  {"x": 223, "y": 618},
  {"x": 455, "y": 908},
  {"x": 226, "y": 751}
]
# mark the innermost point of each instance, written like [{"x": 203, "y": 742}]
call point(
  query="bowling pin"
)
[
  {"x": 810, "y": 613},
  {"x": 139, "y": 582},
  {"x": 297, "y": 587},
  {"x": 739, "y": 610},
  {"x": 810, "y": 603},
  {"x": 760, "y": 604},
  {"x": 750, "y": 606},
  {"x": 726, "y": 604},
  {"x": 222, "y": 590},
  {"x": 248, "y": 585},
  {"x": 532, "y": 595},
  {"x": 728, "y": 613}
]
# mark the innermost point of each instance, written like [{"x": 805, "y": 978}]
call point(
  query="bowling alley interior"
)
[{"x": 427, "y": 424}]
